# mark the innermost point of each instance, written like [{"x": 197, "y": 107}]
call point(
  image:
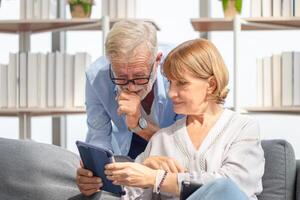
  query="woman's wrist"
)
[{"x": 151, "y": 178}]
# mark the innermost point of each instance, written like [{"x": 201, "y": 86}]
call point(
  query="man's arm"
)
[{"x": 98, "y": 121}]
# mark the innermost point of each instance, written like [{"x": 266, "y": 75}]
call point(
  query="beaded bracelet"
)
[{"x": 160, "y": 178}]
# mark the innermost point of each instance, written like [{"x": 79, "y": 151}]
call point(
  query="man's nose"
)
[{"x": 131, "y": 86}]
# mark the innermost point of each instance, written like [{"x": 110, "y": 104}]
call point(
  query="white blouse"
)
[{"x": 231, "y": 149}]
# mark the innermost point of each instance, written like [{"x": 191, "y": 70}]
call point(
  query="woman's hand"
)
[
  {"x": 130, "y": 174},
  {"x": 165, "y": 163},
  {"x": 86, "y": 183}
]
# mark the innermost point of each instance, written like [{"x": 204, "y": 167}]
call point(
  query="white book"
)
[
  {"x": 32, "y": 80},
  {"x": 296, "y": 85},
  {"x": 82, "y": 61},
  {"x": 13, "y": 80},
  {"x": 52, "y": 9},
  {"x": 256, "y": 8},
  {"x": 3, "y": 86},
  {"x": 276, "y": 8},
  {"x": 50, "y": 79},
  {"x": 297, "y": 8},
  {"x": 287, "y": 78},
  {"x": 69, "y": 80},
  {"x": 131, "y": 8},
  {"x": 121, "y": 9},
  {"x": 22, "y": 9},
  {"x": 267, "y": 82},
  {"x": 42, "y": 80},
  {"x": 23, "y": 80},
  {"x": 45, "y": 4},
  {"x": 112, "y": 6},
  {"x": 59, "y": 79},
  {"x": 266, "y": 8},
  {"x": 29, "y": 9},
  {"x": 37, "y": 9},
  {"x": 277, "y": 71},
  {"x": 260, "y": 82},
  {"x": 287, "y": 8},
  {"x": 105, "y": 7}
]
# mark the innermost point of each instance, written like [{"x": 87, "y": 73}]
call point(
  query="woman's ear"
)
[{"x": 212, "y": 85}]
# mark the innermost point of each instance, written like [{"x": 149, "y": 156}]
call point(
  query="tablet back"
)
[{"x": 94, "y": 159}]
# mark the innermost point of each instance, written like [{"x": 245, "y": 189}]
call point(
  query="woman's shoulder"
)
[{"x": 243, "y": 125}]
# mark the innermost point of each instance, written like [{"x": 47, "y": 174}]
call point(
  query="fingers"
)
[
  {"x": 89, "y": 192},
  {"x": 117, "y": 165},
  {"x": 179, "y": 167},
  {"x": 86, "y": 183},
  {"x": 84, "y": 172}
]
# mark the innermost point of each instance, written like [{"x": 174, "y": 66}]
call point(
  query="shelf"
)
[
  {"x": 288, "y": 110},
  {"x": 41, "y": 111},
  {"x": 250, "y": 24},
  {"x": 38, "y": 26}
]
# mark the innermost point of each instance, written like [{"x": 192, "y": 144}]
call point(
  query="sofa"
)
[{"x": 35, "y": 171}]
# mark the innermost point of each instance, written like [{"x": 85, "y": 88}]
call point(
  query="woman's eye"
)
[{"x": 182, "y": 83}]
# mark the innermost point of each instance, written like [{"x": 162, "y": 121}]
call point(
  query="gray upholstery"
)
[
  {"x": 298, "y": 181},
  {"x": 35, "y": 171},
  {"x": 280, "y": 171}
]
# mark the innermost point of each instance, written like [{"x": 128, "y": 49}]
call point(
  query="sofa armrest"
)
[{"x": 298, "y": 181}]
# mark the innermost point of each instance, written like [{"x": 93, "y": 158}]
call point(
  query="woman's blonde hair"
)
[
  {"x": 126, "y": 35},
  {"x": 203, "y": 60}
]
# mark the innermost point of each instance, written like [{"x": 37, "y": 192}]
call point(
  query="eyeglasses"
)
[{"x": 135, "y": 81}]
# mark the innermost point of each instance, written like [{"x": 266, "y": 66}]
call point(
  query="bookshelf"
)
[
  {"x": 25, "y": 28},
  {"x": 237, "y": 25}
]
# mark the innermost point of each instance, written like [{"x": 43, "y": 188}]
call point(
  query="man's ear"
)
[
  {"x": 158, "y": 57},
  {"x": 212, "y": 84}
]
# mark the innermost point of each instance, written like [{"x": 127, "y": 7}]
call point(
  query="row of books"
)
[
  {"x": 38, "y": 9},
  {"x": 278, "y": 80},
  {"x": 275, "y": 8},
  {"x": 37, "y": 80},
  {"x": 119, "y": 8}
]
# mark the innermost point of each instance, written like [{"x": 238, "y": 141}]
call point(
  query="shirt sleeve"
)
[
  {"x": 98, "y": 121},
  {"x": 243, "y": 163}
]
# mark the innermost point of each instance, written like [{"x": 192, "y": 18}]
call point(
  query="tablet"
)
[{"x": 94, "y": 159}]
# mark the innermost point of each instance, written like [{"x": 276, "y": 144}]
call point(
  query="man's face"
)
[{"x": 138, "y": 66}]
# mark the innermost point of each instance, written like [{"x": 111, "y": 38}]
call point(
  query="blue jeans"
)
[{"x": 220, "y": 189}]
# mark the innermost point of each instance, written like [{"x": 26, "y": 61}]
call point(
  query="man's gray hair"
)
[{"x": 126, "y": 35}]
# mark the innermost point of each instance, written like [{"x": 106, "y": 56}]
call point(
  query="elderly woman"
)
[{"x": 214, "y": 146}]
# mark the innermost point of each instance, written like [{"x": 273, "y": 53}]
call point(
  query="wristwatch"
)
[{"x": 142, "y": 124}]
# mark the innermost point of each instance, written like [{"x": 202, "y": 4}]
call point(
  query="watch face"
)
[{"x": 143, "y": 123}]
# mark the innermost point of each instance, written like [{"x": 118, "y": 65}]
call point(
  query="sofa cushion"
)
[
  {"x": 280, "y": 171},
  {"x": 35, "y": 171}
]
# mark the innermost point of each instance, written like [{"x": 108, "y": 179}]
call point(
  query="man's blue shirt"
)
[{"x": 105, "y": 127}]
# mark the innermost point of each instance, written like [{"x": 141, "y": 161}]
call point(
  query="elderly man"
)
[{"x": 126, "y": 93}]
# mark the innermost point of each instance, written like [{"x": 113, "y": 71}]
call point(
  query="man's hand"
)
[
  {"x": 165, "y": 163},
  {"x": 130, "y": 105},
  {"x": 86, "y": 183}
]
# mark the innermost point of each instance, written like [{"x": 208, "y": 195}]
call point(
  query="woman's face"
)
[{"x": 189, "y": 95}]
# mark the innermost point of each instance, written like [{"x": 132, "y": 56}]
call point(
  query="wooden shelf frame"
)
[
  {"x": 247, "y": 24},
  {"x": 41, "y": 111},
  {"x": 283, "y": 110},
  {"x": 55, "y": 25}
]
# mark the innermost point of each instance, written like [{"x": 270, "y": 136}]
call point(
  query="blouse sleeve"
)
[{"x": 243, "y": 163}]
